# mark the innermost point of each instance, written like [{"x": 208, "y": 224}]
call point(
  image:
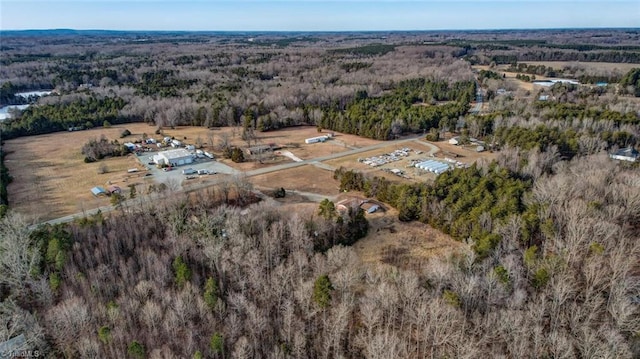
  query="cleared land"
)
[
  {"x": 608, "y": 66},
  {"x": 403, "y": 244},
  {"x": 389, "y": 241},
  {"x": 419, "y": 151},
  {"x": 50, "y": 178},
  {"x": 306, "y": 178}
]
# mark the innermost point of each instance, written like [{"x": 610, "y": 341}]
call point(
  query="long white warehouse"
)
[{"x": 436, "y": 167}]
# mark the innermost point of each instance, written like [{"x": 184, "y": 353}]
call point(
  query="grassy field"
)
[
  {"x": 403, "y": 244},
  {"x": 306, "y": 178},
  {"x": 50, "y": 178}
]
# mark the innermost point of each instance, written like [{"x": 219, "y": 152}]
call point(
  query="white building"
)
[
  {"x": 316, "y": 139},
  {"x": 625, "y": 154},
  {"x": 177, "y": 157}
]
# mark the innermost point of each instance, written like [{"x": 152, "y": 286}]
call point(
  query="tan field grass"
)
[
  {"x": 51, "y": 179},
  {"x": 403, "y": 244},
  {"x": 307, "y": 178}
]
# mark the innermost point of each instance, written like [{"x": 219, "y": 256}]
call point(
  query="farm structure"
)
[
  {"x": 551, "y": 82},
  {"x": 433, "y": 166},
  {"x": 177, "y": 157},
  {"x": 316, "y": 139},
  {"x": 99, "y": 191}
]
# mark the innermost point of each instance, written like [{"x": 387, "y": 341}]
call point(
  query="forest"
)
[{"x": 550, "y": 262}]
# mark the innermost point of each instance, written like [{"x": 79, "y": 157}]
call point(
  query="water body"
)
[
  {"x": 4, "y": 111},
  {"x": 33, "y": 93}
]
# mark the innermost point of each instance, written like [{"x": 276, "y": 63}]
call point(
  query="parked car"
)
[
  {"x": 167, "y": 169},
  {"x": 188, "y": 171}
]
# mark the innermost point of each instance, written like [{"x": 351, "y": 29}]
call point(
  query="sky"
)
[{"x": 316, "y": 15}]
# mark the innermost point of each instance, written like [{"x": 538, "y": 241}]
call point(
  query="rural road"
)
[
  {"x": 313, "y": 161},
  {"x": 479, "y": 99}
]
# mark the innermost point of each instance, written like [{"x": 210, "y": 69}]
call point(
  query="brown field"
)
[
  {"x": 466, "y": 154},
  {"x": 307, "y": 178},
  {"x": 389, "y": 241},
  {"x": 51, "y": 179},
  {"x": 403, "y": 244}
]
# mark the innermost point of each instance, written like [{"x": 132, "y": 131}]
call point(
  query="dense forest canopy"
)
[{"x": 550, "y": 261}]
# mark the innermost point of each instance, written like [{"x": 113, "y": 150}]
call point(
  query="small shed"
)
[{"x": 99, "y": 191}]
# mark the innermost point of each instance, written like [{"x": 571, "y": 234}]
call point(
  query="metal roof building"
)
[
  {"x": 97, "y": 191},
  {"x": 177, "y": 157},
  {"x": 433, "y": 166}
]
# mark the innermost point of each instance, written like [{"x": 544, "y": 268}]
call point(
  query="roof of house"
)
[
  {"x": 98, "y": 190},
  {"x": 173, "y": 154},
  {"x": 627, "y": 152}
]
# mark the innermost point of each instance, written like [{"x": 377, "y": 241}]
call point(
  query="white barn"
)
[{"x": 177, "y": 157}]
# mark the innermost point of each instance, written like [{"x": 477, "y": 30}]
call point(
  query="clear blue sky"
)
[{"x": 314, "y": 15}]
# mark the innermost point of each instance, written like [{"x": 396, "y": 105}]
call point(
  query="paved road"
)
[
  {"x": 479, "y": 100},
  {"x": 314, "y": 161}
]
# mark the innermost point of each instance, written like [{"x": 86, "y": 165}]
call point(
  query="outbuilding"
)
[
  {"x": 625, "y": 154},
  {"x": 176, "y": 157},
  {"x": 316, "y": 139},
  {"x": 99, "y": 191}
]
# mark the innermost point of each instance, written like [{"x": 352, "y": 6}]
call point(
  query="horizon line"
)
[{"x": 329, "y": 31}]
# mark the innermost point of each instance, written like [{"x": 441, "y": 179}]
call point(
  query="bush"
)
[
  {"x": 136, "y": 350},
  {"x": 237, "y": 155},
  {"x": 106, "y": 124},
  {"x": 279, "y": 193},
  {"x": 104, "y": 334},
  {"x": 211, "y": 293},
  {"x": 451, "y": 298},
  {"x": 102, "y": 169},
  {"x": 322, "y": 291},
  {"x": 217, "y": 343},
  {"x": 540, "y": 278},
  {"x": 181, "y": 271},
  {"x": 125, "y": 133}
]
